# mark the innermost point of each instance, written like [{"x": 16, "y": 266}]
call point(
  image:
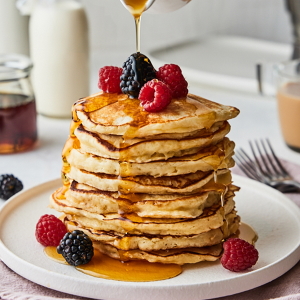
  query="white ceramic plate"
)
[{"x": 275, "y": 218}]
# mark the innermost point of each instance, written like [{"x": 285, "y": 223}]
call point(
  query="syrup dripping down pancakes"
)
[{"x": 150, "y": 186}]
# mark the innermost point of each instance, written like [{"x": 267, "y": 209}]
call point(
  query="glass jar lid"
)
[{"x": 14, "y": 67}]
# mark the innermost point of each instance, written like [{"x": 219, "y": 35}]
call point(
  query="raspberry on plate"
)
[
  {"x": 238, "y": 255},
  {"x": 109, "y": 79},
  {"x": 155, "y": 96},
  {"x": 171, "y": 75},
  {"x": 50, "y": 230}
]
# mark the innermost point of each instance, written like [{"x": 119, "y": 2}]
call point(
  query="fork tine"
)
[
  {"x": 266, "y": 165},
  {"x": 285, "y": 172},
  {"x": 257, "y": 161},
  {"x": 270, "y": 161},
  {"x": 246, "y": 164},
  {"x": 248, "y": 161}
]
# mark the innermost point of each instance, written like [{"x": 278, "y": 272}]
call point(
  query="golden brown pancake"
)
[
  {"x": 160, "y": 242},
  {"x": 147, "y": 150},
  {"x": 151, "y": 186},
  {"x": 170, "y": 256},
  {"x": 120, "y": 115},
  {"x": 214, "y": 157},
  {"x": 85, "y": 197},
  {"x": 211, "y": 218}
]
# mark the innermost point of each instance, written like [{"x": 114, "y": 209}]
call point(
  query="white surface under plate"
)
[{"x": 275, "y": 218}]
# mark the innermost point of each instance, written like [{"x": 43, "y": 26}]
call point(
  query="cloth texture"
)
[{"x": 286, "y": 287}]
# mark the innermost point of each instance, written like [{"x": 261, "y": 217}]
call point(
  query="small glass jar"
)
[
  {"x": 18, "y": 127},
  {"x": 288, "y": 101}
]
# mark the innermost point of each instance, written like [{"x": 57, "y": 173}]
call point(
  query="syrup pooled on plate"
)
[
  {"x": 106, "y": 267},
  {"x": 247, "y": 233}
]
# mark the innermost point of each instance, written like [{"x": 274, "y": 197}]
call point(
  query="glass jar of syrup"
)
[{"x": 18, "y": 128}]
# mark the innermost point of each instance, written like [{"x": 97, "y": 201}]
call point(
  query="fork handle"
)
[
  {"x": 293, "y": 182},
  {"x": 291, "y": 186}
]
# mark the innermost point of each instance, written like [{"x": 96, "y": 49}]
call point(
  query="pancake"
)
[
  {"x": 147, "y": 150},
  {"x": 171, "y": 256},
  {"x": 160, "y": 242},
  {"x": 119, "y": 141},
  {"x": 120, "y": 115},
  {"x": 218, "y": 156},
  {"x": 82, "y": 196},
  {"x": 145, "y": 184},
  {"x": 211, "y": 218}
]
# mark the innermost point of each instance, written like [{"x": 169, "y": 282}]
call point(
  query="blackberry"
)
[
  {"x": 76, "y": 247},
  {"x": 137, "y": 70},
  {"x": 9, "y": 185}
]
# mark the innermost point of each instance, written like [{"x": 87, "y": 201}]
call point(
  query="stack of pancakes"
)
[{"x": 150, "y": 186}]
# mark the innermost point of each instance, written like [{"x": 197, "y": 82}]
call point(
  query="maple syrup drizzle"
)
[
  {"x": 137, "y": 34},
  {"x": 103, "y": 266},
  {"x": 139, "y": 118},
  {"x": 136, "y": 8},
  {"x": 87, "y": 105},
  {"x": 221, "y": 185}
]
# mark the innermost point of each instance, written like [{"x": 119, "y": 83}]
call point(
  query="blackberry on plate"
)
[
  {"x": 9, "y": 186},
  {"x": 137, "y": 70},
  {"x": 76, "y": 247}
]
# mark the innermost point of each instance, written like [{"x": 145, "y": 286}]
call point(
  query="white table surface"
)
[{"x": 257, "y": 120}]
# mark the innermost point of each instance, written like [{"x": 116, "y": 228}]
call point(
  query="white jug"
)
[
  {"x": 59, "y": 50},
  {"x": 14, "y": 29}
]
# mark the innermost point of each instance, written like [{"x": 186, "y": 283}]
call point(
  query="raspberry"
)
[
  {"x": 76, "y": 247},
  {"x": 49, "y": 230},
  {"x": 155, "y": 96},
  {"x": 238, "y": 255},
  {"x": 171, "y": 75},
  {"x": 109, "y": 79}
]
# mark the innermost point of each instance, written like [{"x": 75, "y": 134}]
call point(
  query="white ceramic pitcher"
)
[{"x": 14, "y": 29}]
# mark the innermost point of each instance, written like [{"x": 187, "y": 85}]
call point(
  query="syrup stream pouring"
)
[{"x": 136, "y": 8}]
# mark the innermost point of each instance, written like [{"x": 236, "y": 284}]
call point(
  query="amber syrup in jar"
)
[
  {"x": 17, "y": 124},
  {"x": 18, "y": 129}
]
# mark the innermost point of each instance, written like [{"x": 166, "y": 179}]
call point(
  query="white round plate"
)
[{"x": 275, "y": 218}]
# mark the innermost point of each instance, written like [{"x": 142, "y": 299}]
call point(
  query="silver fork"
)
[{"x": 266, "y": 167}]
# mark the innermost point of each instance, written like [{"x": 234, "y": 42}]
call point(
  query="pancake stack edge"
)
[{"x": 150, "y": 186}]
